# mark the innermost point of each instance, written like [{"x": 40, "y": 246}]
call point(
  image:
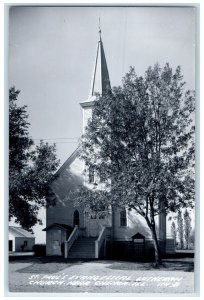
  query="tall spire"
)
[
  {"x": 100, "y": 81},
  {"x": 99, "y": 29}
]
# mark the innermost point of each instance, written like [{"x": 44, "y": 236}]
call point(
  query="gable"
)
[
  {"x": 20, "y": 232},
  {"x": 138, "y": 236},
  {"x": 69, "y": 161},
  {"x": 60, "y": 226},
  {"x": 68, "y": 177}
]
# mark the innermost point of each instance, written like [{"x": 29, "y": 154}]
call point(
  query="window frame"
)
[
  {"x": 123, "y": 219},
  {"x": 74, "y": 218}
]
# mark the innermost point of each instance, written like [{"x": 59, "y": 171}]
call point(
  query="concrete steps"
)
[{"x": 83, "y": 247}]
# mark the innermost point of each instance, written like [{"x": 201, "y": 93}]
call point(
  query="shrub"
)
[{"x": 39, "y": 250}]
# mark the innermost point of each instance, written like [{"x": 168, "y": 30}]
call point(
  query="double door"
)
[{"x": 94, "y": 224}]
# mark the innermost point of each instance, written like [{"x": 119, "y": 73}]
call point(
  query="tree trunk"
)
[{"x": 158, "y": 260}]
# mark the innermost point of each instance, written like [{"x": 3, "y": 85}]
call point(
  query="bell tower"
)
[{"x": 100, "y": 82}]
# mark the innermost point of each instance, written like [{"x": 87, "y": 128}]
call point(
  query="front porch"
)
[
  {"x": 76, "y": 242},
  {"x": 79, "y": 245}
]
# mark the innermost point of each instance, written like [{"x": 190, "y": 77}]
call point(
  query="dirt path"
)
[{"x": 100, "y": 277}]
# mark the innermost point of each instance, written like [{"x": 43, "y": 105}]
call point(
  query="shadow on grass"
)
[
  {"x": 51, "y": 265},
  {"x": 186, "y": 266},
  {"x": 46, "y": 265}
]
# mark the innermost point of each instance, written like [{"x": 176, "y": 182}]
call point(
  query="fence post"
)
[
  {"x": 65, "y": 250},
  {"x": 96, "y": 249},
  {"x": 104, "y": 253}
]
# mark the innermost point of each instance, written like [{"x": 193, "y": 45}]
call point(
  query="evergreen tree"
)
[
  {"x": 180, "y": 230},
  {"x": 187, "y": 228},
  {"x": 173, "y": 231},
  {"x": 192, "y": 239}
]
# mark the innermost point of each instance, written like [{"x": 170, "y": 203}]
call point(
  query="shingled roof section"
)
[
  {"x": 138, "y": 236},
  {"x": 62, "y": 226},
  {"x": 20, "y": 232}
]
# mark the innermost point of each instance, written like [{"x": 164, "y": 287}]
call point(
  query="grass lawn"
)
[{"x": 100, "y": 276}]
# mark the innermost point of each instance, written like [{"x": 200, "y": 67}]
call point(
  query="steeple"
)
[{"x": 100, "y": 82}]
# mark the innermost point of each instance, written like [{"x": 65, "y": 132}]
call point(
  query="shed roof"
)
[
  {"x": 20, "y": 232},
  {"x": 138, "y": 236},
  {"x": 61, "y": 226}
]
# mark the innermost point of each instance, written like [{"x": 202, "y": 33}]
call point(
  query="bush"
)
[{"x": 39, "y": 250}]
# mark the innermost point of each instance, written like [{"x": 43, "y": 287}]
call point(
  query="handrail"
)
[
  {"x": 99, "y": 241},
  {"x": 72, "y": 238}
]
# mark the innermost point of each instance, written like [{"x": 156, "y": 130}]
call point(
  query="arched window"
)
[
  {"x": 76, "y": 217},
  {"x": 123, "y": 218}
]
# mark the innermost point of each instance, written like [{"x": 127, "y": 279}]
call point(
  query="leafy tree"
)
[
  {"x": 187, "y": 228},
  {"x": 19, "y": 140},
  {"x": 141, "y": 136},
  {"x": 180, "y": 230},
  {"x": 31, "y": 169},
  {"x": 173, "y": 231}
]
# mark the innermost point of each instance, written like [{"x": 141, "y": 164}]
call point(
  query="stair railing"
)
[
  {"x": 101, "y": 241},
  {"x": 72, "y": 238}
]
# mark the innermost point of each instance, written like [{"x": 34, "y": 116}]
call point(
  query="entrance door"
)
[
  {"x": 56, "y": 242},
  {"x": 94, "y": 223},
  {"x": 93, "y": 226}
]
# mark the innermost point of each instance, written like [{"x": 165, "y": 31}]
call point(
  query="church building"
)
[{"x": 71, "y": 231}]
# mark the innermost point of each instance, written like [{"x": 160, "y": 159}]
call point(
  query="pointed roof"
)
[
  {"x": 61, "y": 226},
  {"x": 20, "y": 232},
  {"x": 138, "y": 236},
  {"x": 100, "y": 80}
]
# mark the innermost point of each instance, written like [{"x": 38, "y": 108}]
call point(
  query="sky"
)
[{"x": 52, "y": 52}]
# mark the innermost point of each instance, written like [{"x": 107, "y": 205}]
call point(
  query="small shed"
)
[
  {"x": 57, "y": 234},
  {"x": 20, "y": 239}
]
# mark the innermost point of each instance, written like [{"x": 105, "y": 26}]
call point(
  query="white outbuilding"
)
[{"x": 20, "y": 239}]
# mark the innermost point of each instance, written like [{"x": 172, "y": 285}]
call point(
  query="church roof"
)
[
  {"x": 69, "y": 160},
  {"x": 100, "y": 83}
]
